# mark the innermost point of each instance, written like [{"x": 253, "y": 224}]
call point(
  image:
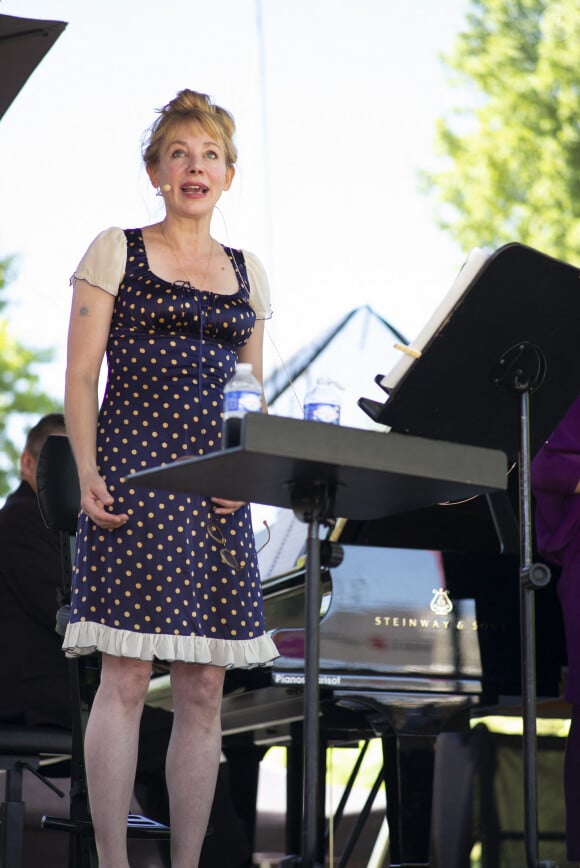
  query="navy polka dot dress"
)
[{"x": 159, "y": 587}]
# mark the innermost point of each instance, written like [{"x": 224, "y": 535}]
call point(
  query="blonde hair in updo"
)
[{"x": 198, "y": 108}]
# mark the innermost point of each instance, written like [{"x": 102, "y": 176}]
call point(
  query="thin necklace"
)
[{"x": 186, "y": 283}]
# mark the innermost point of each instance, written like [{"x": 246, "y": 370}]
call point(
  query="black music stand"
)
[
  {"x": 514, "y": 329},
  {"x": 322, "y": 472}
]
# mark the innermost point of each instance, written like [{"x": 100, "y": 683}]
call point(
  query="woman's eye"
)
[
  {"x": 178, "y": 152},
  {"x": 212, "y": 155}
]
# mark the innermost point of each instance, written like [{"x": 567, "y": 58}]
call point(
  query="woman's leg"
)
[
  {"x": 193, "y": 757},
  {"x": 111, "y": 744}
]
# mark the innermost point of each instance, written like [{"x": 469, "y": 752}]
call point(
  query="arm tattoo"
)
[{"x": 84, "y": 311}]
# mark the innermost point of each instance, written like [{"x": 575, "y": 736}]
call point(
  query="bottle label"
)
[
  {"x": 321, "y": 412},
  {"x": 239, "y": 401}
]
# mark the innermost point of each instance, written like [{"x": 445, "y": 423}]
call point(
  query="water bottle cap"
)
[
  {"x": 244, "y": 366},
  {"x": 328, "y": 381}
]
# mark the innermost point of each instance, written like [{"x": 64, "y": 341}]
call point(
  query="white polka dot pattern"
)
[{"x": 159, "y": 586}]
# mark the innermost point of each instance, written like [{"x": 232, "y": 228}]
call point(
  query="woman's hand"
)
[
  {"x": 221, "y": 506},
  {"x": 96, "y": 502}
]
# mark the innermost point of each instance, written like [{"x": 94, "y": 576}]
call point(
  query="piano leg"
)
[
  {"x": 243, "y": 760},
  {"x": 409, "y": 764},
  {"x": 460, "y": 758},
  {"x": 294, "y": 789},
  {"x": 295, "y": 792},
  {"x": 430, "y": 784}
]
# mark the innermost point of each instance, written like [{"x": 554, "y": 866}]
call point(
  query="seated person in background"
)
[
  {"x": 33, "y": 672},
  {"x": 34, "y": 681}
]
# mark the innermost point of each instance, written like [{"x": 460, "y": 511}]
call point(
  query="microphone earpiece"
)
[{"x": 166, "y": 188}]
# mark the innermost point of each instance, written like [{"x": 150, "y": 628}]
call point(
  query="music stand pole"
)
[
  {"x": 528, "y": 646},
  {"x": 522, "y": 369},
  {"x": 311, "y": 503},
  {"x": 311, "y": 697}
]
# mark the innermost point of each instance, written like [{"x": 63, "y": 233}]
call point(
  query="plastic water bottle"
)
[
  {"x": 242, "y": 394},
  {"x": 322, "y": 402}
]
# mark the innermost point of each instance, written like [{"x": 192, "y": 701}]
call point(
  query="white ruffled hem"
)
[{"x": 86, "y": 637}]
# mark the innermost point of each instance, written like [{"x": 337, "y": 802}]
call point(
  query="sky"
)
[{"x": 335, "y": 103}]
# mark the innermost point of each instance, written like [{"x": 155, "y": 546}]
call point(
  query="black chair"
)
[
  {"x": 59, "y": 502},
  {"x": 24, "y": 749}
]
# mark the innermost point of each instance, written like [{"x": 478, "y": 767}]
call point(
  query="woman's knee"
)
[
  {"x": 198, "y": 687},
  {"x": 125, "y": 678}
]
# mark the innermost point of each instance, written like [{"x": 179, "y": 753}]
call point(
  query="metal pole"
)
[
  {"x": 311, "y": 698},
  {"x": 528, "y": 643}
]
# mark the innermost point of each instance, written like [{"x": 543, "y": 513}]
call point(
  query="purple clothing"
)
[{"x": 555, "y": 473}]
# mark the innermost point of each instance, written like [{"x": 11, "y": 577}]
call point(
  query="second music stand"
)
[{"x": 514, "y": 330}]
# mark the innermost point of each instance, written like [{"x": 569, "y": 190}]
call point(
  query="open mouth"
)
[{"x": 195, "y": 189}]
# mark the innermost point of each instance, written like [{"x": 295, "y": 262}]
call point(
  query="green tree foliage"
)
[
  {"x": 21, "y": 399},
  {"x": 510, "y": 166}
]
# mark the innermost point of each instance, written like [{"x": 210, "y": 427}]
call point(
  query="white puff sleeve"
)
[
  {"x": 259, "y": 286},
  {"x": 104, "y": 263}
]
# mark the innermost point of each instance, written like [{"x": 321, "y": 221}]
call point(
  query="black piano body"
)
[{"x": 419, "y": 633}]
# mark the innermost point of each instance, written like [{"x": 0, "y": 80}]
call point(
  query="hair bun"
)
[{"x": 191, "y": 105}]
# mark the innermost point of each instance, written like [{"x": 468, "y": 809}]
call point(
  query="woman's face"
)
[{"x": 192, "y": 164}]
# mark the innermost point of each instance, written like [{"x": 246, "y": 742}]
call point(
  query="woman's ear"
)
[
  {"x": 230, "y": 172},
  {"x": 152, "y": 172},
  {"x": 28, "y": 468}
]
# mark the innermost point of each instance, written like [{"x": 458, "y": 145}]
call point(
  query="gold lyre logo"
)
[{"x": 441, "y": 604}]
